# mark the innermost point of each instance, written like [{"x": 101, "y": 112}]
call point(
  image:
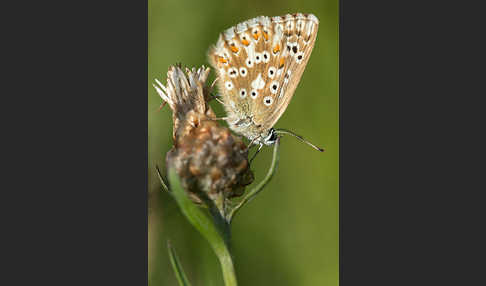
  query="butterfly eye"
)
[
  {"x": 254, "y": 94},
  {"x": 274, "y": 87},
  {"x": 271, "y": 72},
  {"x": 229, "y": 85},
  {"x": 242, "y": 93},
  {"x": 243, "y": 71},
  {"x": 268, "y": 100}
]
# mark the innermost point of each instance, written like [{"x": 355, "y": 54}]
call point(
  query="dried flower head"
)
[{"x": 210, "y": 161}]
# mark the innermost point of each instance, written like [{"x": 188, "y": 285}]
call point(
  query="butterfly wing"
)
[
  {"x": 299, "y": 38},
  {"x": 259, "y": 64}
]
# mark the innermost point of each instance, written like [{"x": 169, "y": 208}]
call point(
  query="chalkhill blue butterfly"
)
[{"x": 259, "y": 63}]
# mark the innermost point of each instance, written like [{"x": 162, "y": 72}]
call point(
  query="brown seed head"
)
[{"x": 208, "y": 158}]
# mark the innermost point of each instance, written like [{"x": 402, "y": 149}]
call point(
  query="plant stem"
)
[
  {"x": 224, "y": 255},
  {"x": 227, "y": 267},
  {"x": 251, "y": 194},
  {"x": 215, "y": 231}
]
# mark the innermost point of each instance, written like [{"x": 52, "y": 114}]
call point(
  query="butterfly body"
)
[{"x": 259, "y": 64}]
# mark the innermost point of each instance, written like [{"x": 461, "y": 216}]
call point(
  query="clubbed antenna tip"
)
[{"x": 288, "y": 132}]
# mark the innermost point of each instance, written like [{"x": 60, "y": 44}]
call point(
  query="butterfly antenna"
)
[{"x": 288, "y": 132}]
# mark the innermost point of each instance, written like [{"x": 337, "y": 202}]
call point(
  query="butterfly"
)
[{"x": 259, "y": 63}]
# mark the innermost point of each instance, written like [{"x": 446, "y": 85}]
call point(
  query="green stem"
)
[
  {"x": 217, "y": 236},
  {"x": 176, "y": 265},
  {"x": 228, "y": 269},
  {"x": 251, "y": 194}
]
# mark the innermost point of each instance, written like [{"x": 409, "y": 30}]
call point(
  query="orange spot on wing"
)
[
  {"x": 265, "y": 35},
  {"x": 276, "y": 49},
  {"x": 222, "y": 60},
  {"x": 245, "y": 42},
  {"x": 234, "y": 49},
  {"x": 281, "y": 64},
  {"x": 256, "y": 35}
]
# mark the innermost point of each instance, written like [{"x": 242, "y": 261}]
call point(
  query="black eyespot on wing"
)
[{"x": 294, "y": 48}]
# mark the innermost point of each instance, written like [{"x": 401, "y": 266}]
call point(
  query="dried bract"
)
[{"x": 211, "y": 162}]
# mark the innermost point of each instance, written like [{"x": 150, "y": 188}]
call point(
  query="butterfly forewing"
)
[{"x": 259, "y": 64}]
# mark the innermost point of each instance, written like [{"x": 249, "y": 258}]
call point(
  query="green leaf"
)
[
  {"x": 176, "y": 265},
  {"x": 164, "y": 185},
  {"x": 206, "y": 226}
]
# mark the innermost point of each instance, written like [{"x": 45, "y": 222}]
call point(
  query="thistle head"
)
[{"x": 211, "y": 162}]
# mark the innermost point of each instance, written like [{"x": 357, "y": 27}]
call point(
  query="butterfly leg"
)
[
  {"x": 216, "y": 118},
  {"x": 258, "y": 151},
  {"x": 213, "y": 84},
  {"x": 211, "y": 88},
  {"x": 217, "y": 99},
  {"x": 251, "y": 144}
]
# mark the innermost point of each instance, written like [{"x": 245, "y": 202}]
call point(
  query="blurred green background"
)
[{"x": 288, "y": 235}]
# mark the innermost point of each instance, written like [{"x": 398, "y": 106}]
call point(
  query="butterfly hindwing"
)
[
  {"x": 259, "y": 63},
  {"x": 296, "y": 47}
]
